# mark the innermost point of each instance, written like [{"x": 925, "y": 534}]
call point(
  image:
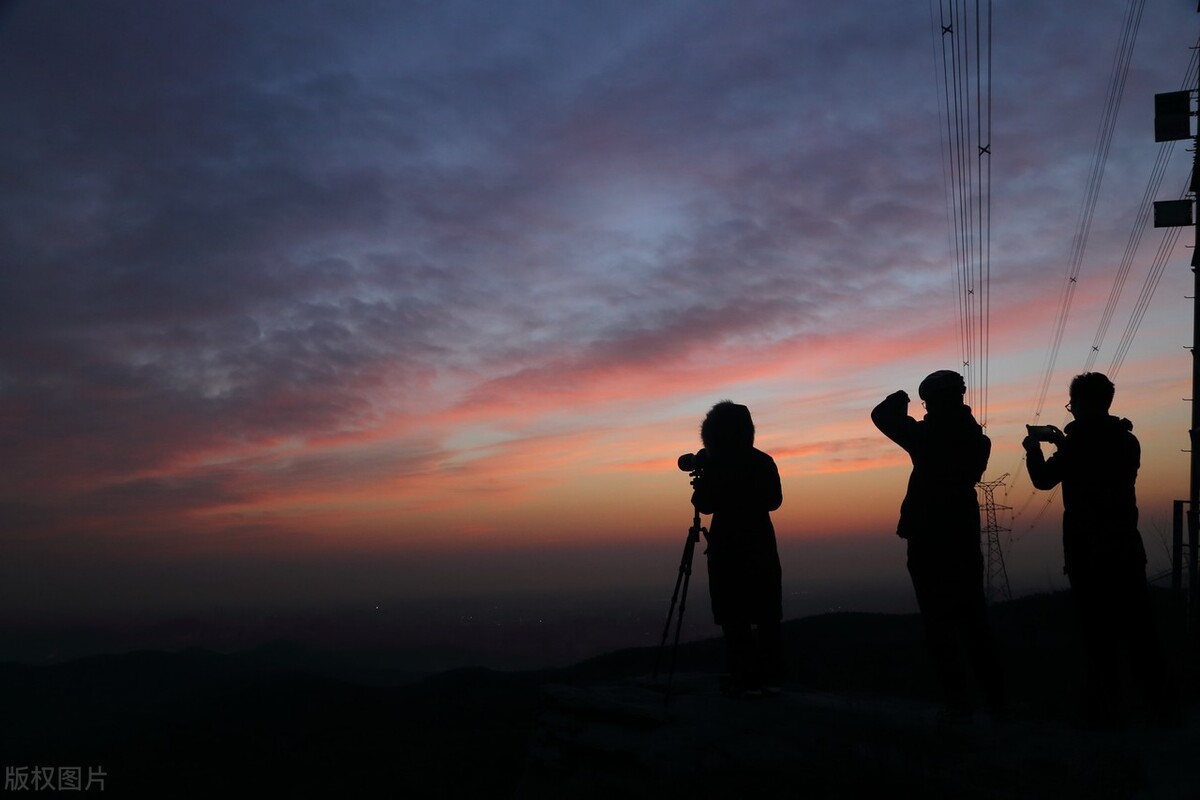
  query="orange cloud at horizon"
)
[{"x": 555, "y": 456}]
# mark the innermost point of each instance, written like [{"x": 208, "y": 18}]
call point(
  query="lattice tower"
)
[{"x": 996, "y": 585}]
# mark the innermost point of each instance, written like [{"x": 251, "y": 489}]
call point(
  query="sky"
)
[{"x": 304, "y": 302}]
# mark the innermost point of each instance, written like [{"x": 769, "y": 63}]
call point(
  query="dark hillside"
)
[{"x": 859, "y": 699}]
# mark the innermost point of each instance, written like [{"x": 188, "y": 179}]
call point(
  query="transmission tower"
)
[{"x": 996, "y": 586}]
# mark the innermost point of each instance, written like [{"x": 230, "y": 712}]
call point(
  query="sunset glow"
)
[{"x": 400, "y": 282}]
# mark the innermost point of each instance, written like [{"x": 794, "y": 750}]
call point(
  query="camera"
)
[
  {"x": 1044, "y": 433},
  {"x": 692, "y": 462}
]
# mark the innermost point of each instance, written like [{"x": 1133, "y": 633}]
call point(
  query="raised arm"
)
[
  {"x": 892, "y": 419},
  {"x": 1043, "y": 473}
]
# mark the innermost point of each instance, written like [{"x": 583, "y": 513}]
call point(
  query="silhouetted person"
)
[
  {"x": 940, "y": 520},
  {"x": 1096, "y": 462},
  {"x": 739, "y": 485}
]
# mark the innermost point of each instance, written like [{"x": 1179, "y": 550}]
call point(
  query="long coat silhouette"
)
[{"x": 740, "y": 487}]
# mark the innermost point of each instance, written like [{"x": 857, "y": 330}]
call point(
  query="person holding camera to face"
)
[
  {"x": 939, "y": 518},
  {"x": 1096, "y": 460},
  {"x": 739, "y": 485}
]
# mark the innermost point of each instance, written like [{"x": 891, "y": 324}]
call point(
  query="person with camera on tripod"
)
[
  {"x": 739, "y": 485},
  {"x": 939, "y": 519}
]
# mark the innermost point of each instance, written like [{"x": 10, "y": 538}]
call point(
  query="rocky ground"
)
[{"x": 621, "y": 740}]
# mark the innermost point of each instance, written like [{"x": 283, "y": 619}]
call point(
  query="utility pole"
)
[
  {"x": 1172, "y": 122},
  {"x": 996, "y": 586}
]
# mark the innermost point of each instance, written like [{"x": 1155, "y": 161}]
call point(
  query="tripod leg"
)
[
  {"x": 685, "y": 566},
  {"x": 687, "y": 577}
]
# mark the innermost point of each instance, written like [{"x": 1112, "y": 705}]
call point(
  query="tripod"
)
[{"x": 684, "y": 577}]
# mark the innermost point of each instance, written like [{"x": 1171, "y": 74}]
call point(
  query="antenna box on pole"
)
[
  {"x": 1172, "y": 213},
  {"x": 1172, "y": 116}
]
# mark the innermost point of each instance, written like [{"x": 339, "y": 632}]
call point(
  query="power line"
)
[
  {"x": 1140, "y": 224},
  {"x": 1099, "y": 158},
  {"x": 964, "y": 84},
  {"x": 1162, "y": 256},
  {"x": 1165, "y": 247},
  {"x": 1112, "y": 105}
]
